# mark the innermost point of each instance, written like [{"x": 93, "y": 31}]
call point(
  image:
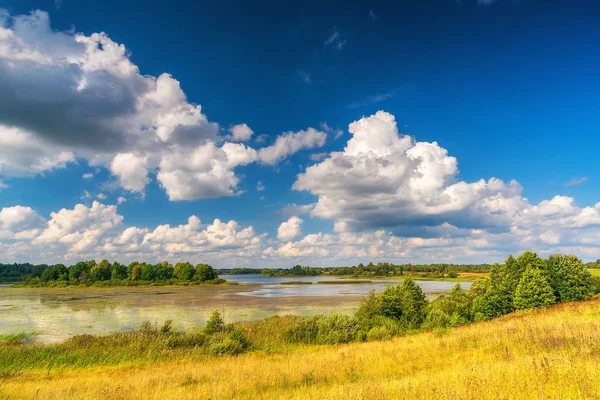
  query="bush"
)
[
  {"x": 226, "y": 347},
  {"x": 215, "y": 323},
  {"x": 334, "y": 329},
  {"x": 194, "y": 339},
  {"x": 379, "y": 333}
]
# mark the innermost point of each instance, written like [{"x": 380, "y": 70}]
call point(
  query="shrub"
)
[
  {"x": 167, "y": 326},
  {"x": 215, "y": 323},
  {"x": 226, "y": 347},
  {"x": 379, "y": 333},
  {"x": 194, "y": 339},
  {"x": 334, "y": 329}
]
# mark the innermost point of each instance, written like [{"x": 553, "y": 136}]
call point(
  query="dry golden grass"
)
[{"x": 548, "y": 354}]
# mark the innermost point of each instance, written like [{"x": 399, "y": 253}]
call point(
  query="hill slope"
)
[{"x": 548, "y": 354}]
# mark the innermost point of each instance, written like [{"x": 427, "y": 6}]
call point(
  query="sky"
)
[{"x": 279, "y": 133}]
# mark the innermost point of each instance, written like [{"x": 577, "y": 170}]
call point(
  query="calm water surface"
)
[{"x": 56, "y": 314}]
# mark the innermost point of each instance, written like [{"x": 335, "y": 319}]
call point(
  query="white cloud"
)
[
  {"x": 131, "y": 170},
  {"x": 290, "y": 143},
  {"x": 68, "y": 95},
  {"x": 19, "y": 222},
  {"x": 80, "y": 229},
  {"x": 121, "y": 200},
  {"x": 576, "y": 181},
  {"x": 88, "y": 176},
  {"x": 290, "y": 229},
  {"x": 24, "y": 154},
  {"x": 241, "y": 132},
  {"x": 3, "y": 185},
  {"x": 384, "y": 180},
  {"x": 337, "y": 133},
  {"x": 318, "y": 156},
  {"x": 259, "y": 186}
]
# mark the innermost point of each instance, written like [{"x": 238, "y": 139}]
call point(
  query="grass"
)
[
  {"x": 595, "y": 272},
  {"x": 552, "y": 353}
]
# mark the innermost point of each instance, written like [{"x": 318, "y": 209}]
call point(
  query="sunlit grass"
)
[
  {"x": 595, "y": 272},
  {"x": 552, "y": 353}
]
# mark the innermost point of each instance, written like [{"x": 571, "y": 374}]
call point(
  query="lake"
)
[{"x": 56, "y": 314}]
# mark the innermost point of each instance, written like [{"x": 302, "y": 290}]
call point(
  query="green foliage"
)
[
  {"x": 186, "y": 340},
  {"x": 101, "y": 272},
  {"x": 167, "y": 327},
  {"x": 333, "y": 329},
  {"x": 205, "y": 272},
  {"x": 533, "y": 290},
  {"x": 56, "y": 272},
  {"x": 404, "y": 302},
  {"x": 136, "y": 272},
  {"x": 370, "y": 306},
  {"x": 215, "y": 323},
  {"x": 184, "y": 271},
  {"x": 569, "y": 278},
  {"x": 79, "y": 271},
  {"x": 118, "y": 271},
  {"x": 164, "y": 271},
  {"x": 379, "y": 333},
  {"x": 148, "y": 272},
  {"x": 449, "y": 309}
]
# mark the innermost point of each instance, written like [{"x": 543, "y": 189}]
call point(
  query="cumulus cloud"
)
[
  {"x": 68, "y": 95},
  {"x": 99, "y": 231},
  {"x": 385, "y": 180},
  {"x": 241, "y": 133},
  {"x": 290, "y": 229},
  {"x": 131, "y": 170},
  {"x": 19, "y": 222}
]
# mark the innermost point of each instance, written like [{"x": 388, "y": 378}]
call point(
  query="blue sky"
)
[{"x": 508, "y": 88}]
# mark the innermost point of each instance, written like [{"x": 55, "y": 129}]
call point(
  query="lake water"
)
[{"x": 56, "y": 314}]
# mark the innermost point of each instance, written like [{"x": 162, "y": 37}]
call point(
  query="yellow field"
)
[{"x": 548, "y": 354}]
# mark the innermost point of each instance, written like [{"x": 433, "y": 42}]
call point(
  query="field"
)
[{"x": 552, "y": 353}]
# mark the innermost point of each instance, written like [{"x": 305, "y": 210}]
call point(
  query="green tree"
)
[
  {"x": 215, "y": 323},
  {"x": 205, "y": 272},
  {"x": 148, "y": 272},
  {"x": 79, "y": 271},
  {"x": 533, "y": 290},
  {"x": 569, "y": 278},
  {"x": 136, "y": 272},
  {"x": 451, "y": 309},
  {"x": 118, "y": 271},
  {"x": 101, "y": 272},
  {"x": 164, "y": 271},
  {"x": 184, "y": 271},
  {"x": 414, "y": 303},
  {"x": 405, "y": 302}
]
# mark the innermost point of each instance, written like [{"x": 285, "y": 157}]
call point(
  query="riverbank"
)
[{"x": 521, "y": 355}]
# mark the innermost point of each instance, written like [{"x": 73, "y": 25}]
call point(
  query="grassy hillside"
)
[{"x": 551, "y": 353}]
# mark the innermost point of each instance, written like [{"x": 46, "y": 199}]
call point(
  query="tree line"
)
[
  {"x": 525, "y": 282},
  {"x": 379, "y": 269},
  {"x": 90, "y": 272}
]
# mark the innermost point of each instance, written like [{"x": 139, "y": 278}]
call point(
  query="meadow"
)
[
  {"x": 550, "y": 353},
  {"x": 531, "y": 329}
]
